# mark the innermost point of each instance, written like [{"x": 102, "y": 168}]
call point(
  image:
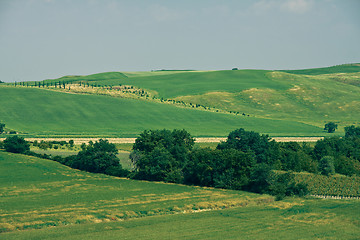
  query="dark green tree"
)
[
  {"x": 161, "y": 154},
  {"x": 296, "y": 157},
  {"x": 352, "y": 131},
  {"x": 2, "y": 126},
  {"x": 326, "y": 165},
  {"x": 263, "y": 150},
  {"x": 16, "y": 144},
  {"x": 71, "y": 143},
  {"x": 98, "y": 157},
  {"x": 330, "y": 127},
  {"x": 232, "y": 168},
  {"x": 200, "y": 167}
]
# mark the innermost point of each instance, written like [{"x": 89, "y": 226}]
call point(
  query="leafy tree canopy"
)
[
  {"x": 251, "y": 142},
  {"x": 16, "y": 144},
  {"x": 98, "y": 157},
  {"x": 330, "y": 127},
  {"x": 161, "y": 154},
  {"x": 352, "y": 131}
]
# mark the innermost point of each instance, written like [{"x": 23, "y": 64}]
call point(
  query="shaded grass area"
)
[
  {"x": 49, "y": 113},
  {"x": 37, "y": 193},
  {"x": 291, "y": 219}
]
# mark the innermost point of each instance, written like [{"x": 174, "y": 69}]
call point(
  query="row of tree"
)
[{"x": 245, "y": 161}]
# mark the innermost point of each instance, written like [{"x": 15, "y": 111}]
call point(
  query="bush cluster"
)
[{"x": 246, "y": 160}]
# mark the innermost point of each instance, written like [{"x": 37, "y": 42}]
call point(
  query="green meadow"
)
[
  {"x": 41, "y": 112},
  {"x": 42, "y": 199}
]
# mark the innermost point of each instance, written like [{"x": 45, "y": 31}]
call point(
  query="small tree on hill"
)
[{"x": 330, "y": 127}]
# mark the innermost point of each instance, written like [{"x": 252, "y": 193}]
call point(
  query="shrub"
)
[
  {"x": 16, "y": 144},
  {"x": 98, "y": 157},
  {"x": 330, "y": 127}
]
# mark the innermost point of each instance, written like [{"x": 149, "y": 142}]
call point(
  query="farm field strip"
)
[{"x": 198, "y": 140}]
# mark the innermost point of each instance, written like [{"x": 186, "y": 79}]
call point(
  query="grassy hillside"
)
[
  {"x": 51, "y": 201},
  {"x": 42, "y": 112},
  {"x": 310, "y": 99},
  {"x": 313, "y": 96}
]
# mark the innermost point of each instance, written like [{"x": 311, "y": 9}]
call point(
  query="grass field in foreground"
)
[
  {"x": 38, "y": 112},
  {"x": 294, "y": 219},
  {"x": 46, "y": 200},
  {"x": 38, "y": 193}
]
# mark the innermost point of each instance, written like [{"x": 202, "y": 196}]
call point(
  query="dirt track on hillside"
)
[{"x": 199, "y": 140}]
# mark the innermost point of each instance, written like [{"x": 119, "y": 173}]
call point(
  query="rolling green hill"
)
[
  {"x": 313, "y": 97},
  {"x": 40, "y": 112}
]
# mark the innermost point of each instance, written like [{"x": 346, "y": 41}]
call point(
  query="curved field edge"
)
[{"x": 38, "y": 112}]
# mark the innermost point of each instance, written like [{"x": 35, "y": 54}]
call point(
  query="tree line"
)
[{"x": 245, "y": 161}]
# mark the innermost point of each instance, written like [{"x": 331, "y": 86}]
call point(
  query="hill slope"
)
[
  {"x": 313, "y": 96},
  {"x": 48, "y": 113}
]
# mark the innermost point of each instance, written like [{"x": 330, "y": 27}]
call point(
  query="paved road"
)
[{"x": 200, "y": 140}]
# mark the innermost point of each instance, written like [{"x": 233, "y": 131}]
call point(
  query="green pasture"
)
[
  {"x": 294, "y": 219},
  {"x": 42, "y": 199},
  {"x": 40, "y": 112}
]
